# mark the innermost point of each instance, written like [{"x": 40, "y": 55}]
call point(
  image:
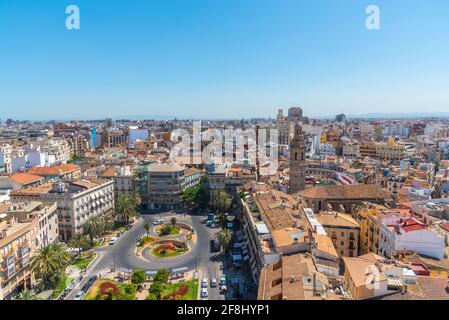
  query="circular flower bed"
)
[
  {"x": 169, "y": 249},
  {"x": 107, "y": 288}
]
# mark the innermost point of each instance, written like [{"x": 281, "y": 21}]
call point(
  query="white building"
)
[
  {"x": 77, "y": 201},
  {"x": 327, "y": 149},
  {"x": 398, "y": 235}
]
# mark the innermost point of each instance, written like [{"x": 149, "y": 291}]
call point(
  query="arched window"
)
[{"x": 296, "y": 155}]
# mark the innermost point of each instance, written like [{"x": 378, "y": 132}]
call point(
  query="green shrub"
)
[
  {"x": 151, "y": 296},
  {"x": 162, "y": 276},
  {"x": 138, "y": 277},
  {"x": 156, "y": 288}
]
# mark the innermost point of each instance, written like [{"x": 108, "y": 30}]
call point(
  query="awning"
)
[
  {"x": 124, "y": 270},
  {"x": 236, "y": 257}
]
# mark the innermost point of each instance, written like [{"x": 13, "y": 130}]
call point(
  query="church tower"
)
[{"x": 297, "y": 160}]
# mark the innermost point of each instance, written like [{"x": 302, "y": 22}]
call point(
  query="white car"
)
[
  {"x": 213, "y": 282},
  {"x": 158, "y": 222},
  {"x": 79, "y": 295},
  {"x": 112, "y": 241},
  {"x": 204, "y": 294},
  {"x": 205, "y": 283}
]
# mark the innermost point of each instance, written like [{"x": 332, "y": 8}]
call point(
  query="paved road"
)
[{"x": 122, "y": 253}]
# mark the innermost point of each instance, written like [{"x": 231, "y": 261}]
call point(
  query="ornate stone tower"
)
[{"x": 297, "y": 160}]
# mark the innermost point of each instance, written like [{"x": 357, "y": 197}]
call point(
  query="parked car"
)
[
  {"x": 158, "y": 222},
  {"x": 112, "y": 241},
  {"x": 204, "y": 294},
  {"x": 223, "y": 289},
  {"x": 215, "y": 246},
  {"x": 213, "y": 282},
  {"x": 205, "y": 283},
  {"x": 223, "y": 281},
  {"x": 79, "y": 295}
]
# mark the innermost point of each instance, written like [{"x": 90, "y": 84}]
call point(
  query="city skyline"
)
[{"x": 228, "y": 60}]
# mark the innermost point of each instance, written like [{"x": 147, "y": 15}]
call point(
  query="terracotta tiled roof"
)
[
  {"x": 337, "y": 220},
  {"x": 53, "y": 171},
  {"x": 358, "y": 270},
  {"x": 359, "y": 191},
  {"x": 108, "y": 172},
  {"x": 25, "y": 178}
]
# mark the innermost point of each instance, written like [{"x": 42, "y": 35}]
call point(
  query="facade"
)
[
  {"x": 46, "y": 216},
  {"x": 400, "y": 235},
  {"x": 165, "y": 184},
  {"x": 17, "y": 246},
  {"x": 343, "y": 230},
  {"x": 77, "y": 201}
]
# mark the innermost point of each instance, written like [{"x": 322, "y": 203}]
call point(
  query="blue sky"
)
[{"x": 221, "y": 58}]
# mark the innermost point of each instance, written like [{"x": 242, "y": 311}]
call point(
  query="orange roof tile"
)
[
  {"x": 25, "y": 178},
  {"x": 53, "y": 171}
]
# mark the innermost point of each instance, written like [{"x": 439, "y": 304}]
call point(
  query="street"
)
[{"x": 122, "y": 253}]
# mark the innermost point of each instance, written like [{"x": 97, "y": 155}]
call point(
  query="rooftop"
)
[
  {"x": 25, "y": 178},
  {"x": 53, "y": 171},
  {"x": 359, "y": 191}
]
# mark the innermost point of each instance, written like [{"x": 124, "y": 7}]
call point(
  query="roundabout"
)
[{"x": 167, "y": 242}]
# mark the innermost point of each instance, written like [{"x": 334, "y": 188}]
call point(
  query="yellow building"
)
[
  {"x": 369, "y": 217},
  {"x": 17, "y": 245},
  {"x": 343, "y": 230}
]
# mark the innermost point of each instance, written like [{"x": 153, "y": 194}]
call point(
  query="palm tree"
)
[
  {"x": 127, "y": 205},
  {"x": 225, "y": 238},
  {"x": 26, "y": 295},
  {"x": 93, "y": 227},
  {"x": 222, "y": 202},
  {"x": 147, "y": 227},
  {"x": 79, "y": 242},
  {"x": 50, "y": 262}
]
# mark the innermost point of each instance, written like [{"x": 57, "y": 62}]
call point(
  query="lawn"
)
[
  {"x": 84, "y": 261},
  {"x": 191, "y": 294},
  {"x": 172, "y": 231},
  {"x": 62, "y": 285},
  {"x": 121, "y": 291}
]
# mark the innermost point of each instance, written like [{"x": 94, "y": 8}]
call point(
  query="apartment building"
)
[
  {"x": 165, "y": 184},
  {"x": 401, "y": 235},
  {"x": 275, "y": 224},
  {"x": 295, "y": 277},
  {"x": 343, "y": 230},
  {"x": 383, "y": 151},
  {"x": 369, "y": 216},
  {"x": 17, "y": 246},
  {"x": 77, "y": 201},
  {"x": 45, "y": 214},
  {"x": 395, "y": 183},
  {"x": 6, "y": 158}
]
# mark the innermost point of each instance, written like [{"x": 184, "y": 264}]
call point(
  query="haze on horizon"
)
[{"x": 221, "y": 59}]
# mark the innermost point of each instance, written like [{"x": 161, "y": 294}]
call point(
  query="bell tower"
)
[{"x": 297, "y": 160}]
